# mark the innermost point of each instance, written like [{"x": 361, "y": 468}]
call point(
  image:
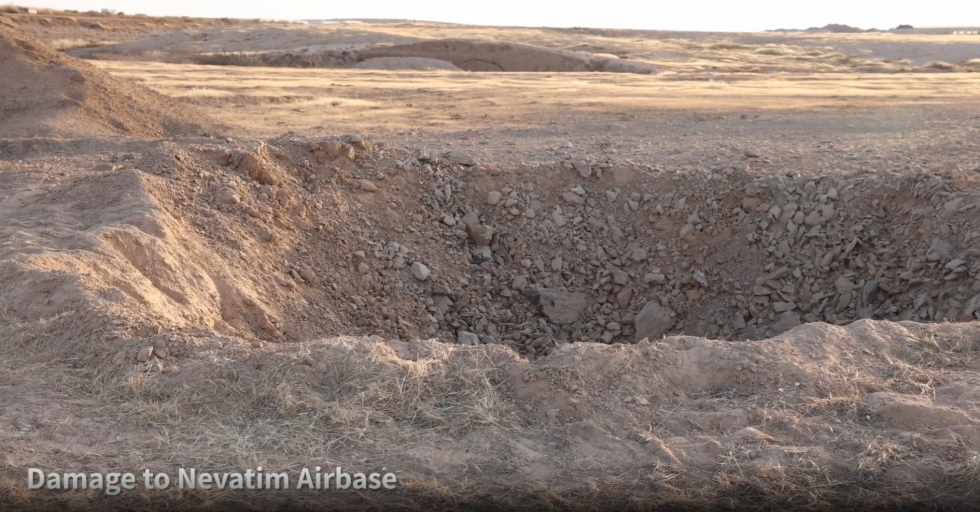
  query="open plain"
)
[{"x": 521, "y": 268}]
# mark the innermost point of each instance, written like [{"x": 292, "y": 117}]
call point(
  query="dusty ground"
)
[{"x": 700, "y": 288}]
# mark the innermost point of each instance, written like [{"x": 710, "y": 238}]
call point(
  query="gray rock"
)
[
  {"x": 442, "y": 303},
  {"x": 480, "y": 255},
  {"x": 467, "y": 338},
  {"x": 420, "y": 271},
  {"x": 844, "y": 285},
  {"x": 781, "y": 307},
  {"x": 519, "y": 283},
  {"x": 653, "y": 321},
  {"x": 471, "y": 219},
  {"x": 624, "y": 297},
  {"x": 785, "y": 322},
  {"x": 494, "y": 197},
  {"x": 620, "y": 277},
  {"x": 938, "y": 250},
  {"x": 481, "y": 235},
  {"x": 560, "y": 306},
  {"x": 870, "y": 292},
  {"x": 573, "y": 199},
  {"x": 458, "y": 157}
]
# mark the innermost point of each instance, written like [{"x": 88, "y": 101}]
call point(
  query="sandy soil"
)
[{"x": 700, "y": 289}]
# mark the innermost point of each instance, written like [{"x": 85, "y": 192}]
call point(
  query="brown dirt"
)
[
  {"x": 226, "y": 303},
  {"x": 44, "y": 93}
]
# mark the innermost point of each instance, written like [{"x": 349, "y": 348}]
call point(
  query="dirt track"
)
[{"x": 572, "y": 291}]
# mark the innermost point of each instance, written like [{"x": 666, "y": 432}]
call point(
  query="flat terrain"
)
[{"x": 748, "y": 280}]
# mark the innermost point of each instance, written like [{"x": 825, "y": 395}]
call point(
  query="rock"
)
[
  {"x": 480, "y": 255},
  {"x": 955, "y": 264},
  {"x": 624, "y": 296},
  {"x": 471, "y": 219},
  {"x": 332, "y": 149},
  {"x": 557, "y": 218},
  {"x": 638, "y": 254},
  {"x": 844, "y": 285},
  {"x": 814, "y": 219},
  {"x": 573, "y": 199},
  {"x": 481, "y": 235},
  {"x": 467, "y": 338},
  {"x": 620, "y": 277},
  {"x": 869, "y": 292},
  {"x": 255, "y": 168},
  {"x": 751, "y": 153},
  {"x": 583, "y": 168},
  {"x": 653, "y": 321},
  {"x": 785, "y": 322},
  {"x": 307, "y": 274},
  {"x": 356, "y": 141},
  {"x": 519, "y": 283},
  {"x": 781, "y": 307},
  {"x": 449, "y": 220},
  {"x": 556, "y": 264},
  {"x": 750, "y": 204},
  {"x": 739, "y": 322},
  {"x": 494, "y": 197},
  {"x": 560, "y": 306},
  {"x": 367, "y": 186},
  {"x": 420, "y": 271},
  {"x": 639, "y": 400},
  {"x": 655, "y": 278},
  {"x": 939, "y": 250},
  {"x": 144, "y": 354},
  {"x": 398, "y": 263},
  {"x": 461, "y": 158},
  {"x": 700, "y": 278},
  {"x": 227, "y": 195}
]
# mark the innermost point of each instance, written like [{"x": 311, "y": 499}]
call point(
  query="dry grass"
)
[{"x": 357, "y": 389}]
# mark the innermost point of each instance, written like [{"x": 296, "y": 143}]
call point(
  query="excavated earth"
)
[{"x": 583, "y": 334}]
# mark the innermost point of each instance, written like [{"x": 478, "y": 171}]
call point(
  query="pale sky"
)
[{"x": 708, "y": 15}]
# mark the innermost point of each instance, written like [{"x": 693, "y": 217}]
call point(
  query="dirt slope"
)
[{"x": 43, "y": 92}]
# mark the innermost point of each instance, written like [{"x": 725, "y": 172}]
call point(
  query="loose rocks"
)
[
  {"x": 653, "y": 321},
  {"x": 420, "y": 271},
  {"x": 560, "y": 306}
]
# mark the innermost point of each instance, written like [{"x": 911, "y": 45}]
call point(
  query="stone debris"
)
[
  {"x": 653, "y": 321},
  {"x": 613, "y": 252},
  {"x": 420, "y": 271}
]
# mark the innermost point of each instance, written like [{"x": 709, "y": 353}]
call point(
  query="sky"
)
[{"x": 707, "y": 15}]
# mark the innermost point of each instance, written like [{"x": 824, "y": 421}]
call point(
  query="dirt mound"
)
[
  {"x": 407, "y": 63},
  {"x": 461, "y": 54},
  {"x": 45, "y": 93},
  {"x": 496, "y": 56}
]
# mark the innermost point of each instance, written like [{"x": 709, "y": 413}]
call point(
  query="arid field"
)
[{"x": 519, "y": 268}]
